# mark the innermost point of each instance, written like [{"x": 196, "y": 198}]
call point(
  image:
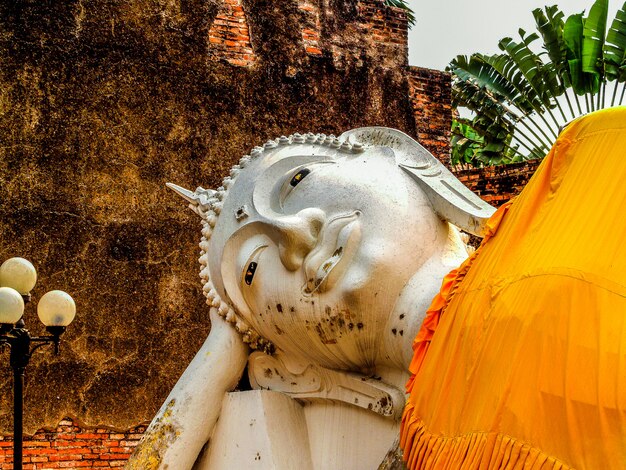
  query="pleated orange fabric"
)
[{"x": 521, "y": 361}]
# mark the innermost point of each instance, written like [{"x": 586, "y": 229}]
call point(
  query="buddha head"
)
[{"x": 310, "y": 240}]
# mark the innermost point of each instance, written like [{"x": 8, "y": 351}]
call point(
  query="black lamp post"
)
[{"x": 56, "y": 310}]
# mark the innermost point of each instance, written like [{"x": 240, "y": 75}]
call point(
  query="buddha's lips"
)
[{"x": 328, "y": 252}]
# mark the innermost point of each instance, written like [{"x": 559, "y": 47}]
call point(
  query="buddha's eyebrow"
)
[{"x": 295, "y": 176}]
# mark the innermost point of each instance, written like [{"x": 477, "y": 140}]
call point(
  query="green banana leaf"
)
[
  {"x": 615, "y": 47},
  {"x": 550, "y": 25},
  {"x": 594, "y": 33},
  {"x": 482, "y": 74},
  {"x": 527, "y": 99},
  {"x": 582, "y": 82},
  {"x": 531, "y": 67},
  {"x": 470, "y": 147}
]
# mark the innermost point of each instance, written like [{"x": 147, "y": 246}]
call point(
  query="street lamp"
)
[{"x": 56, "y": 310}]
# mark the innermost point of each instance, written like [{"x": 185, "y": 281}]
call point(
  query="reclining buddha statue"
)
[
  {"x": 331, "y": 266},
  {"x": 320, "y": 257}
]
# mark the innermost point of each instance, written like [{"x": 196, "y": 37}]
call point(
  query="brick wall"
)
[
  {"x": 385, "y": 25},
  {"x": 430, "y": 94},
  {"x": 70, "y": 446},
  {"x": 229, "y": 36},
  {"x": 372, "y": 23},
  {"x": 497, "y": 184},
  {"x": 311, "y": 26}
]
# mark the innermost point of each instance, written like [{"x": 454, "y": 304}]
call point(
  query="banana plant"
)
[
  {"x": 522, "y": 96},
  {"x": 471, "y": 148}
]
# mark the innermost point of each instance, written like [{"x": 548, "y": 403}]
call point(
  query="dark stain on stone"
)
[
  {"x": 394, "y": 331},
  {"x": 127, "y": 242},
  {"x": 320, "y": 331},
  {"x": 324, "y": 335},
  {"x": 401, "y": 316},
  {"x": 401, "y": 332},
  {"x": 279, "y": 307},
  {"x": 268, "y": 373}
]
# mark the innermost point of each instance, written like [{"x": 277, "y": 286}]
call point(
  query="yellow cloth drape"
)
[{"x": 521, "y": 361}]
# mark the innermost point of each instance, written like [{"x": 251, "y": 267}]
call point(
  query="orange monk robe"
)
[{"x": 521, "y": 362}]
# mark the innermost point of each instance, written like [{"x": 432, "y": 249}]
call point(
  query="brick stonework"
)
[
  {"x": 229, "y": 36},
  {"x": 497, "y": 184},
  {"x": 375, "y": 23},
  {"x": 311, "y": 27},
  {"x": 385, "y": 25},
  {"x": 70, "y": 446},
  {"x": 430, "y": 93}
]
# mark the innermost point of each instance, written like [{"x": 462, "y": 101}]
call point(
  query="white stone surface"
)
[
  {"x": 328, "y": 251},
  {"x": 262, "y": 430}
]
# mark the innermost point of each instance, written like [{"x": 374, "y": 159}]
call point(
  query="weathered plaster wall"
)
[{"x": 101, "y": 103}]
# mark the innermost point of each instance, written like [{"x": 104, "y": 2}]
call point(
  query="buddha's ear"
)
[
  {"x": 199, "y": 201},
  {"x": 450, "y": 199}
]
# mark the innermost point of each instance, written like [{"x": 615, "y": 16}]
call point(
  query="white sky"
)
[{"x": 447, "y": 28}]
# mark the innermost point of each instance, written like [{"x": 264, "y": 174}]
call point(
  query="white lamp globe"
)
[
  {"x": 18, "y": 273},
  {"x": 56, "y": 308},
  {"x": 11, "y": 305}
]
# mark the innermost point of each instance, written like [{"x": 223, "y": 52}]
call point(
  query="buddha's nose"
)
[{"x": 299, "y": 234}]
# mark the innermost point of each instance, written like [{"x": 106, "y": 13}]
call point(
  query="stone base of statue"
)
[{"x": 267, "y": 430}]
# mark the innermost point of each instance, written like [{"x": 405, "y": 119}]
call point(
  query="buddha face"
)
[{"x": 314, "y": 245}]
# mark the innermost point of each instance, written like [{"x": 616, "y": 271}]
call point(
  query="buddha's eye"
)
[
  {"x": 299, "y": 176},
  {"x": 250, "y": 273},
  {"x": 250, "y": 266}
]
